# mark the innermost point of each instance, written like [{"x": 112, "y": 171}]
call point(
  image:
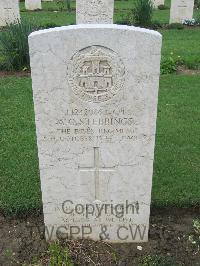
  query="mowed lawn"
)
[{"x": 177, "y": 155}]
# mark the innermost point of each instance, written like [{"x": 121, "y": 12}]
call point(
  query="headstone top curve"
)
[{"x": 95, "y": 26}]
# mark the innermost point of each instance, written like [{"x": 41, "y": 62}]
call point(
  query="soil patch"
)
[
  {"x": 22, "y": 240},
  {"x": 14, "y": 73},
  {"x": 185, "y": 71}
]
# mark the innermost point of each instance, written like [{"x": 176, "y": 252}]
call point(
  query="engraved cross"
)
[{"x": 96, "y": 169}]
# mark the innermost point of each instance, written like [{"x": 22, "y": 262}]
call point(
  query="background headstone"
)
[
  {"x": 9, "y": 12},
  {"x": 181, "y": 10},
  {"x": 157, "y": 3},
  {"x": 33, "y": 4},
  {"x": 94, "y": 11}
]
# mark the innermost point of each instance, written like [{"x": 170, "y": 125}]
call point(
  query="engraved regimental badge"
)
[{"x": 96, "y": 74}]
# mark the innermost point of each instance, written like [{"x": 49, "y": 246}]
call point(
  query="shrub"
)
[
  {"x": 177, "y": 26},
  {"x": 14, "y": 50},
  {"x": 142, "y": 12}
]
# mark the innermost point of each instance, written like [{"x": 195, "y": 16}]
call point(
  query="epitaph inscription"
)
[{"x": 97, "y": 74}]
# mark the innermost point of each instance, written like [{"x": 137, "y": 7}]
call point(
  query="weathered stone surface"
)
[
  {"x": 9, "y": 12},
  {"x": 181, "y": 10},
  {"x": 94, "y": 11},
  {"x": 33, "y": 4},
  {"x": 157, "y": 3},
  {"x": 95, "y": 91}
]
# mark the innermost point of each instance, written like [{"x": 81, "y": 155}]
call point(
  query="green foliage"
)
[
  {"x": 197, "y": 18},
  {"x": 177, "y": 26},
  {"x": 68, "y": 2},
  {"x": 59, "y": 256},
  {"x": 14, "y": 50},
  {"x": 142, "y": 12},
  {"x": 184, "y": 43},
  {"x": 197, "y": 3},
  {"x": 168, "y": 65},
  {"x": 125, "y": 19},
  {"x": 156, "y": 260}
]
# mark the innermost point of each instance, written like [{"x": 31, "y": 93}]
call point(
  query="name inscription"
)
[{"x": 104, "y": 125}]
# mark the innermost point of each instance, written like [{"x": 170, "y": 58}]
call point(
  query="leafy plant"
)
[
  {"x": 168, "y": 65},
  {"x": 59, "y": 256},
  {"x": 142, "y": 12},
  {"x": 14, "y": 50}
]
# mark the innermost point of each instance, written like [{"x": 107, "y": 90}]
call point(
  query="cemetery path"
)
[{"x": 22, "y": 239}]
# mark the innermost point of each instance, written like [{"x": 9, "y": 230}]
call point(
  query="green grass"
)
[
  {"x": 184, "y": 43},
  {"x": 177, "y": 155},
  {"x": 20, "y": 189}
]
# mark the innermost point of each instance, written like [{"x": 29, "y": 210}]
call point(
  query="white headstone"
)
[
  {"x": 181, "y": 10},
  {"x": 9, "y": 12},
  {"x": 157, "y": 3},
  {"x": 94, "y": 11},
  {"x": 33, "y": 4},
  {"x": 95, "y": 93}
]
